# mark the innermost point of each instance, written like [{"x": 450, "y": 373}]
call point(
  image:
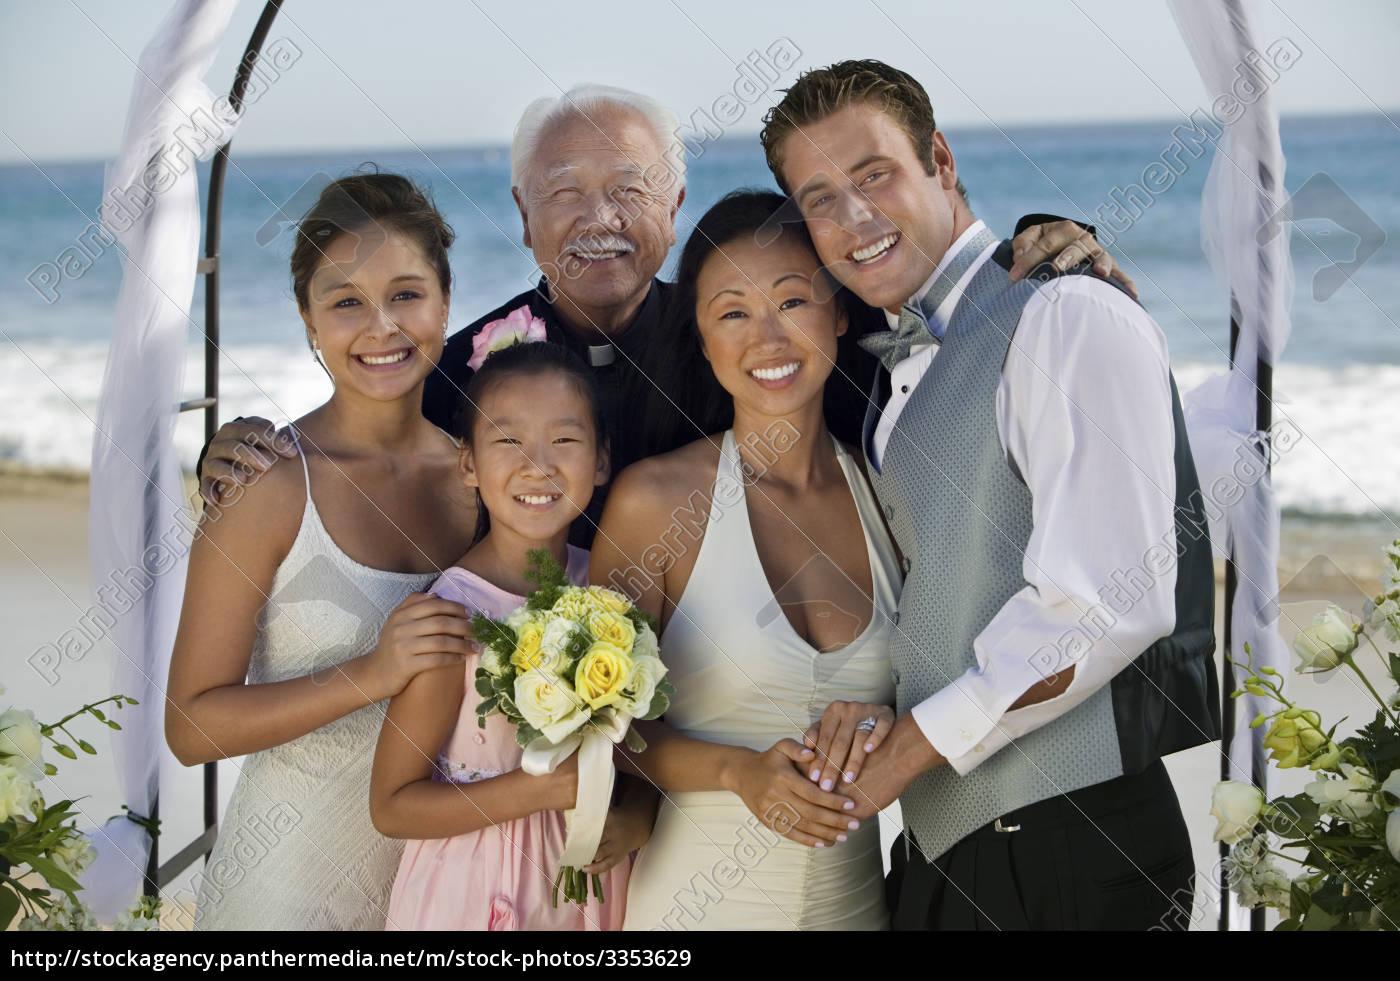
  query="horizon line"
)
[{"x": 731, "y": 138}]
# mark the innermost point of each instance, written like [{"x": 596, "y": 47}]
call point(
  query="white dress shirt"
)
[{"x": 1083, "y": 411}]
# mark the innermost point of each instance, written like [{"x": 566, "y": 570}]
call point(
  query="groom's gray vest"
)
[{"x": 962, "y": 518}]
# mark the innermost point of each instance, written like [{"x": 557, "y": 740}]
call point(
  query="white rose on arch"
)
[
  {"x": 17, "y": 793},
  {"x": 22, "y": 742},
  {"x": 1236, "y": 807},
  {"x": 1323, "y": 644}
]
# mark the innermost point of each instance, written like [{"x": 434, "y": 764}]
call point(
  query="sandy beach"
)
[{"x": 45, "y": 582}]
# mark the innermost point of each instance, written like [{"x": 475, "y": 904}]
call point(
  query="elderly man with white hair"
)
[{"x": 598, "y": 175}]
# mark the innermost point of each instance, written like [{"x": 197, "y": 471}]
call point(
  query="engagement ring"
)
[{"x": 867, "y": 724}]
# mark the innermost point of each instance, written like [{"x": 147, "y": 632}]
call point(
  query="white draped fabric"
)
[
  {"x": 1248, "y": 250},
  {"x": 138, "y": 532}
]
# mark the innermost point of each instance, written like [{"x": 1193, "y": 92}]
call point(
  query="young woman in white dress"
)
[
  {"x": 761, "y": 550},
  {"x": 280, "y": 657}
]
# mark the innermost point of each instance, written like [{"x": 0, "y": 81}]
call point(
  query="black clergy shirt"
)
[{"x": 620, "y": 381}]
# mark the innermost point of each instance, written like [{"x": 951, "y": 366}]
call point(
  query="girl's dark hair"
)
[
  {"x": 359, "y": 201},
  {"x": 534, "y": 358},
  {"x": 684, "y": 400}
]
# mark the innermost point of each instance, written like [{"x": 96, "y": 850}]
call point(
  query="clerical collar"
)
[
  {"x": 958, "y": 245},
  {"x": 600, "y": 355}
]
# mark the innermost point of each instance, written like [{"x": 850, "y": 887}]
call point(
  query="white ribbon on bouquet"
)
[{"x": 594, "y": 743}]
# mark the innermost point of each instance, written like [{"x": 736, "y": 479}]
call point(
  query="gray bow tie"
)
[
  {"x": 915, "y": 327},
  {"x": 892, "y": 346}
]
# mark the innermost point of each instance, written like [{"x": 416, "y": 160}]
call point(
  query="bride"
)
[{"x": 763, "y": 554}]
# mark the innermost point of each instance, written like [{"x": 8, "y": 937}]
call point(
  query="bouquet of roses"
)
[
  {"x": 570, "y": 670},
  {"x": 1343, "y": 831}
]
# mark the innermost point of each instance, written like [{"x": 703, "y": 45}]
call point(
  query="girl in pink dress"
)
[{"x": 485, "y": 837}]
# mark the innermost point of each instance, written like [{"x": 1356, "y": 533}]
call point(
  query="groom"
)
[{"x": 1054, "y": 638}]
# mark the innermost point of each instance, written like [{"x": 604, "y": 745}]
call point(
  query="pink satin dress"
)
[{"x": 500, "y": 877}]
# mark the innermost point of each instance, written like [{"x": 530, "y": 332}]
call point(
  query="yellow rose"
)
[
  {"x": 601, "y": 674},
  {"x": 1294, "y": 738},
  {"x": 612, "y": 628},
  {"x": 526, "y": 656},
  {"x": 609, "y": 599}
]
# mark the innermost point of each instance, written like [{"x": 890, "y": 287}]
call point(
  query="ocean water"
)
[{"x": 1338, "y": 381}]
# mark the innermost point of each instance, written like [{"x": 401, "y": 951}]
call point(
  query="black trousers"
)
[{"x": 1114, "y": 856}]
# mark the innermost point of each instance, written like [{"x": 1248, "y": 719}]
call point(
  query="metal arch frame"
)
[{"x": 157, "y": 875}]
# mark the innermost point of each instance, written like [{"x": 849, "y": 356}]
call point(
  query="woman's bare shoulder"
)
[
  {"x": 659, "y": 478},
  {"x": 270, "y": 499}
]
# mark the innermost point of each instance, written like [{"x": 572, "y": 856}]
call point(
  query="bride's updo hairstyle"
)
[
  {"x": 684, "y": 401},
  {"x": 360, "y": 202}
]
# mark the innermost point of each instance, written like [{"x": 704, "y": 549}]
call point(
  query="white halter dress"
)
[
  {"x": 745, "y": 677},
  {"x": 296, "y": 849}
]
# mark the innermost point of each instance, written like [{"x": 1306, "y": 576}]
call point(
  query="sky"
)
[{"x": 366, "y": 74}]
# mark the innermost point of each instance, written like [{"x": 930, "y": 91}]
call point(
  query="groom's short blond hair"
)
[{"x": 822, "y": 92}]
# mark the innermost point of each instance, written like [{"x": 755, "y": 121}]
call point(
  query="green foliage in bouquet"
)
[
  {"x": 530, "y": 662},
  {"x": 36, "y": 836},
  {"x": 570, "y": 657},
  {"x": 1343, "y": 831}
]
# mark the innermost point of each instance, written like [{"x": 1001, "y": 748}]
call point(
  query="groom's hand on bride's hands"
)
[
  {"x": 840, "y": 745},
  {"x": 904, "y": 755},
  {"x": 774, "y": 787},
  {"x": 1067, "y": 245}
]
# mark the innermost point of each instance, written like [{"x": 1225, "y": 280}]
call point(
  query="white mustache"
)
[{"x": 600, "y": 243}]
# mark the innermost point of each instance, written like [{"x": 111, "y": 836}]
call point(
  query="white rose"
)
[
  {"x": 1324, "y": 642},
  {"x": 549, "y": 705},
  {"x": 1391, "y": 786},
  {"x": 17, "y": 793},
  {"x": 1350, "y": 798},
  {"x": 556, "y": 638},
  {"x": 1236, "y": 807},
  {"x": 645, "y": 645},
  {"x": 1392, "y": 834},
  {"x": 640, "y": 687},
  {"x": 22, "y": 742}
]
